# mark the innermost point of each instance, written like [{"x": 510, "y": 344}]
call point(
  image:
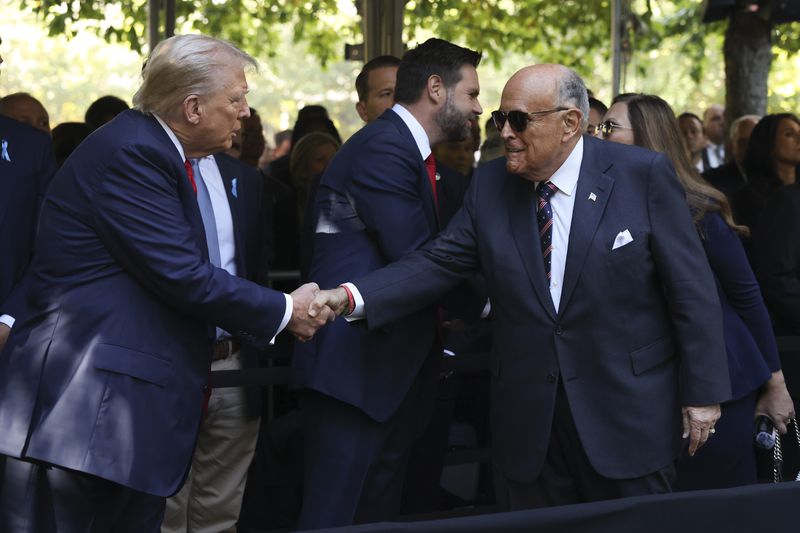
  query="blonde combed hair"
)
[{"x": 185, "y": 65}]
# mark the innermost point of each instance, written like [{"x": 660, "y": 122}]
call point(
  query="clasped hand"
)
[{"x": 303, "y": 324}]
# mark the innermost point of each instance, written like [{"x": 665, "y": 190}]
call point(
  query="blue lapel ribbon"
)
[{"x": 4, "y": 150}]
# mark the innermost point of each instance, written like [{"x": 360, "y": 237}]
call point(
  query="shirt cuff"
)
[
  {"x": 358, "y": 311},
  {"x": 8, "y": 320},
  {"x": 287, "y": 316}
]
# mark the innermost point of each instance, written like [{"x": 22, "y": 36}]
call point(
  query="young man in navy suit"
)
[
  {"x": 104, "y": 375},
  {"x": 607, "y": 335},
  {"x": 367, "y": 394}
]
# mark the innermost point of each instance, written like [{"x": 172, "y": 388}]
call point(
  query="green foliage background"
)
[{"x": 94, "y": 48}]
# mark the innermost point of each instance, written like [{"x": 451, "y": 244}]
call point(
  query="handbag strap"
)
[{"x": 777, "y": 453}]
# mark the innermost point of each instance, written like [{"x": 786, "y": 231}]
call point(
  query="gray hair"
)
[
  {"x": 572, "y": 92},
  {"x": 733, "y": 131},
  {"x": 184, "y": 65}
]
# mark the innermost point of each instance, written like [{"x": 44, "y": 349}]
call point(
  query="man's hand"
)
[
  {"x": 776, "y": 403},
  {"x": 333, "y": 299},
  {"x": 698, "y": 424},
  {"x": 4, "y": 333},
  {"x": 302, "y": 324}
]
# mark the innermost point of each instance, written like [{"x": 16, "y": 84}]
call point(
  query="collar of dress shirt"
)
[
  {"x": 421, "y": 138},
  {"x": 172, "y": 137},
  {"x": 566, "y": 177}
]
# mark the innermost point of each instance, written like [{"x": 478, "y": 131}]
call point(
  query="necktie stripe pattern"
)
[{"x": 545, "y": 220}]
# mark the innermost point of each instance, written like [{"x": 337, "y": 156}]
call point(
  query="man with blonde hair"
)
[{"x": 103, "y": 378}]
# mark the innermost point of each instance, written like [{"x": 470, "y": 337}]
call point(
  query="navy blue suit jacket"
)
[
  {"x": 105, "y": 372},
  {"x": 23, "y": 180},
  {"x": 749, "y": 340},
  {"x": 375, "y": 197},
  {"x": 638, "y": 333}
]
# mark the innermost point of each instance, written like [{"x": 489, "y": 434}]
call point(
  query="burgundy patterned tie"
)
[{"x": 545, "y": 219}]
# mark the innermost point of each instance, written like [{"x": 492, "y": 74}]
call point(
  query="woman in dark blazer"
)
[{"x": 757, "y": 382}]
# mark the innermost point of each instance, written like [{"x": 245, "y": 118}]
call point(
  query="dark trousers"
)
[
  {"x": 354, "y": 466},
  {"x": 37, "y": 498},
  {"x": 568, "y": 477}
]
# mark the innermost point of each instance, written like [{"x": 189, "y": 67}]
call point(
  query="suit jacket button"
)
[
  {"x": 551, "y": 378},
  {"x": 559, "y": 331}
]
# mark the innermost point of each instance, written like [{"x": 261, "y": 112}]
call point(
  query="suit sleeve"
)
[
  {"x": 776, "y": 257},
  {"x": 140, "y": 219},
  {"x": 690, "y": 290},
  {"x": 424, "y": 276},
  {"x": 730, "y": 265}
]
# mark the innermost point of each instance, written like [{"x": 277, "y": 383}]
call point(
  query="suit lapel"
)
[
  {"x": 429, "y": 205},
  {"x": 229, "y": 174},
  {"x": 591, "y": 196},
  {"x": 526, "y": 236}
]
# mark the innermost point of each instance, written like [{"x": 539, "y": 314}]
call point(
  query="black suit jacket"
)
[{"x": 638, "y": 333}]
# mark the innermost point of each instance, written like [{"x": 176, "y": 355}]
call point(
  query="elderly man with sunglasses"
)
[{"x": 608, "y": 354}]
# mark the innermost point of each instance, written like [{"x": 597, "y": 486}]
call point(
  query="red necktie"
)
[
  {"x": 190, "y": 172},
  {"x": 430, "y": 163}
]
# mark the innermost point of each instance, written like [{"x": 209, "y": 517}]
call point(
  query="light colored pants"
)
[{"x": 211, "y": 498}]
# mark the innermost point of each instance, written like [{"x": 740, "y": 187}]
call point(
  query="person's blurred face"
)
[
  {"x": 787, "y": 142},
  {"x": 742, "y": 136},
  {"x": 27, "y": 110},
  {"x": 692, "y": 131},
  {"x": 621, "y": 130},
  {"x": 380, "y": 93},
  {"x": 222, "y": 113},
  {"x": 714, "y": 124},
  {"x": 594, "y": 119},
  {"x": 457, "y": 155},
  {"x": 461, "y": 107},
  {"x": 320, "y": 157}
]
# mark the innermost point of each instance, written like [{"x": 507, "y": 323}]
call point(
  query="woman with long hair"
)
[
  {"x": 757, "y": 382},
  {"x": 770, "y": 163}
]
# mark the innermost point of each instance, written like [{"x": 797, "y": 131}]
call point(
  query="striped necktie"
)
[{"x": 545, "y": 219}]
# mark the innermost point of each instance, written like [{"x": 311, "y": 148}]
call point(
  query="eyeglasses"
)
[
  {"x": 518, "y": 120},
  {"x": 605, "y": 129}
]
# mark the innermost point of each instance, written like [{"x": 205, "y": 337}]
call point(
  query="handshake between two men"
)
[{"x": 310, "y": 311}]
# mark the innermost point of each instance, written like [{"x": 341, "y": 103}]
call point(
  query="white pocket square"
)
[{"x": 623, "y": 238}]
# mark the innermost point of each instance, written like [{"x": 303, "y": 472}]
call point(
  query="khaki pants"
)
[{"x": 211, "y": 498}]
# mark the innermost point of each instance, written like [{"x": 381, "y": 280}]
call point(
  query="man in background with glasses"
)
[{"x": 608, "y": 348}]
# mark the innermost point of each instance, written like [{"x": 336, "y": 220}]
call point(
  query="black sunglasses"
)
[
  {"x": 518, "y": 120},
  {"x": 605, "y": 129}
]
